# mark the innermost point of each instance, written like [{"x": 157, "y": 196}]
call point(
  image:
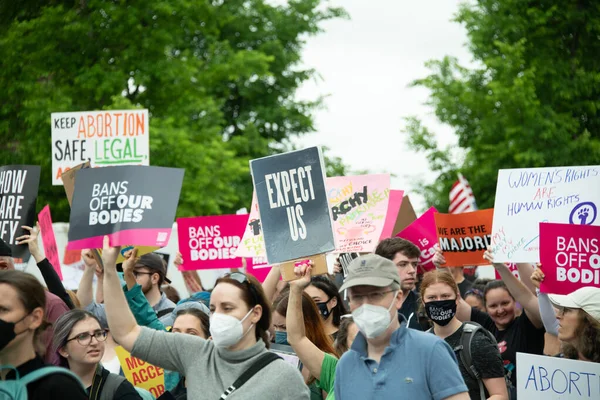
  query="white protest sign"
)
[
  {"x": 549, "y": 378},
  {"x": 525, "y": 197},
  {"x": 113, "y": 137}
]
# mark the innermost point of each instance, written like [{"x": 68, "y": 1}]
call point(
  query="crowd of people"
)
[{"x": 390, "y": 330}]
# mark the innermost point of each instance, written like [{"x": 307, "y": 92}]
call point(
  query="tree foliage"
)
[
  {"x": 218, "y": 78},
  {"x": 532, "y": 101}
]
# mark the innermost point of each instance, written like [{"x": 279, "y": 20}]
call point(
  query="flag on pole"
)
[{"x": 462, "y": 198}]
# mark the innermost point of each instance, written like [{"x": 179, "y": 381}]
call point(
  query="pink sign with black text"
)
[{"x": 422, "y": 233}]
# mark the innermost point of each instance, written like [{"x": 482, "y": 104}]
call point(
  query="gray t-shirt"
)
[{"x": 210, "y": 370}]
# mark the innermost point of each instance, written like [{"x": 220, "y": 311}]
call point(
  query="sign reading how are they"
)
[
  {"x": 133, "y": 205},
  {"x": 294, "y": 212},
  {"x": 115, "y": 137}
]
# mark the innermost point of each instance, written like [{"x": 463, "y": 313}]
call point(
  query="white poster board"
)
[
  {"x": 112, "y": 137},
  {"x": 525, "y": 197},
  {"x": 549, "y": 378}
]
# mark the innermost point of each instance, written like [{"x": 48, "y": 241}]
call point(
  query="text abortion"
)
[
  {"x": 105, "y": 197},
  {"x": 292, "y": 189}
]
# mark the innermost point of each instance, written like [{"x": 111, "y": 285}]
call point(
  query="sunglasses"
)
[{"x": 243, "y": 279}]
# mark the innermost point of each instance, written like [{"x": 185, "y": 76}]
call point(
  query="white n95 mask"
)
[
  {"x": 372, "y": 320},
  {"x": 227, "y": 330}
]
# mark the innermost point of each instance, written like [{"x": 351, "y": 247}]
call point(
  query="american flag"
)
[{"x": 461, "y": 197}]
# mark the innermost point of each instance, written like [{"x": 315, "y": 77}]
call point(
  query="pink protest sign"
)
[
  {"x": 253, "y": 241},
  {"x": 512, "y": 267},
  {"x": 258, "y": 267},
  {"x": 358, "y": 206},
  {"x": 49, "y": 240},
  {"x": 570, "y": 257},
  {"x": 422, "y": 233},
  {"x": 210, "y": 242},
  {"x": 391, "y": 217}
]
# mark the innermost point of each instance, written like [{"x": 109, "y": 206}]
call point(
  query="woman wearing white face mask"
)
[{"x": 240, "y": 319}]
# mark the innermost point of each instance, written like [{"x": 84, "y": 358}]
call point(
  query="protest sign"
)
[
  {"x": 121, "y": 202},
  {"x": 210, "y": 242},
  {"x": 140, "y": 373},
  {"x": 18, "y": 196},
  {"x": 358, "y": 209},
  {"x": 49, "y": 240},
  {"x": 292, "y": 201},
  {"x": 391, "y": 216},
  {"x": 553, "y": 378},
  {"x": 253, "y": 241},
  {"x": 525, "y": 197},
  {"x": 406, "y": 216},
  {"x": 570, "y": 256},
  {"x": 259, "y": 271},
  {"x": 464, "y": 237},
  {"x": 112, "y": 137},
  {"x": 68, "y": 179},
  {"x": 513, "y": 269},
  {"x": 345, "y": 259},
  {"x": 422, "y": 233}
]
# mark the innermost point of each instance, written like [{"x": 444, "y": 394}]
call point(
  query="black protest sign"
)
[
  {"x": 133, "y": 205},
  {"x": 293, "y": 205},
  {"x": 18, "y": 195},
  {"x": 345, "y": 259}
]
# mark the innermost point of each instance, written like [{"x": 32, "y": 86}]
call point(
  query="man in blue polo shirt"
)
[{"x": 387, "y": 360}]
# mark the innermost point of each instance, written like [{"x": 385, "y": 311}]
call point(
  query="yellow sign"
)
[{"x": 141, "y": 374}]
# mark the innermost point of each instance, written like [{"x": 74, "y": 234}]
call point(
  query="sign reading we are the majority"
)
[
  {"x": 210, "y": 242},
  {"x": 359, "y": 205},
  {"x": 292, "y": 199},
  {"x": 133, "y": 205},
  {"x": 18, "y": 197},
  {"x": 570, "y": 256},
  {"x": 113, "y": 137},
  {"x": 464, "y": 237},
  {"x": 525, "y": 197}
]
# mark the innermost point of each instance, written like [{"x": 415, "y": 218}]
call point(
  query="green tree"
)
[
  {"x": 533, "y": 100},
  {"x": 218, "y": 78}
]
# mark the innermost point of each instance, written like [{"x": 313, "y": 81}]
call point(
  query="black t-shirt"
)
[
  {"x": 486, "y": 360},
  {"x": 410, "y": 309},
  {"x": 53, "y": 386},
  {"x": 464, "y": 287},
  {"x": 520, "y": 337}
]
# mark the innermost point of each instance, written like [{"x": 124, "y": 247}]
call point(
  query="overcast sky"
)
[{"x": 365, "y": 66}]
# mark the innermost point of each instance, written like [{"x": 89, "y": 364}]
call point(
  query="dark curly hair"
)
[{"x": 587, "y": 339}]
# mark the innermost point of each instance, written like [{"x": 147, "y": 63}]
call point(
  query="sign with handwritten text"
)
[
  {"x": 253, "y": 243},
  {"x": 570, "y": 256},
  {"x": 49, "y": 240},
  {"x": 553, "y": 378},
  {"x": 210, "y": 242},
  {"x": 422, "y": 233},
  {"x": 140, "y": 373},
  {"x": 112, "y": 137},
  {"x": 358, "y": 208},
  {"x": 525, "y": 197},
  {"x": 464, "y": 237}
]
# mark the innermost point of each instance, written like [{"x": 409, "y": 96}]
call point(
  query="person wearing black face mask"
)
[
  {"x": 439, "y": 294},
  {"x": 325, "y": 294}
]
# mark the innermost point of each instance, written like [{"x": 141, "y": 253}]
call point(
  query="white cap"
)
[{"x": 586, "y": 299}]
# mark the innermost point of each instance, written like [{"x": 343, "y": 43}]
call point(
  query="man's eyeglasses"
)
[
  {"x": 85, "y": 338},
  {"x": 243, "y": 279},
  {"x": 374, "y": 297},
  {"x": 138, "y": 273}
]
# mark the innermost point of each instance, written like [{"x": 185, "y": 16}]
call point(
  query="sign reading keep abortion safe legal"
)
[
  {"x": 525, "y": 197},
  {"x": 292, "y": 200},
  {"x": 112, "y": 137},
  {"x": 133, "y": 205}
]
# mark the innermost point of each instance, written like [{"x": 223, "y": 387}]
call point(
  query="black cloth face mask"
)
[{"x": 441, "y": 312}]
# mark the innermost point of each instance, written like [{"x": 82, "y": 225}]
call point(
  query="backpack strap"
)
[
  {"x": 164, "y": 312},
  {"x": 259, "y": 364},
  {"x": 45, "y": 371},
  {"x": 465, "y": 354}
]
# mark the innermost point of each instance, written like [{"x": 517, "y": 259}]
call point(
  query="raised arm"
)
[
  {"x": 85, "y": 292},
  {"x": 310, "y": 355},
  {"x": 519, "y": 291},
  {"x": 525, "y": 271},
  {"x": 546, "y": 308},
  {"x": 49, "y": 274},
  {"x": 270, "y": 283},
  {"x": 120, "y": 319}
]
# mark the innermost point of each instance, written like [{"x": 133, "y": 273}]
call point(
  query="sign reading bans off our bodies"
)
[
  {"x": 133, "y": 205},
  {"x": 465, "y": 237},
  {"x": 294, "y": 211},
  {"x": 210, "y": 242},
  {"x": 115, "y": 137},
  {"x": 18, "y": 195}
]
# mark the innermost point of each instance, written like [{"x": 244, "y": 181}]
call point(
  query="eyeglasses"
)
[
  {"x": 564, "y": 310},
  {"x": 374, "y": 297},
  {"x": 138, "y": 273},
  {"x": 243, "y": 279},
  {"x": 85, "y": 338}
]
